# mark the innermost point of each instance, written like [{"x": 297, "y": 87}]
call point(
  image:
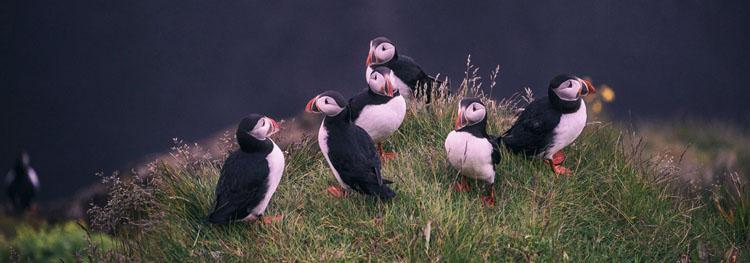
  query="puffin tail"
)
[
  {"x": 217, "y": 219},
  {"x": 383, "y": 192},
  {"x": 221, "y": 215}
]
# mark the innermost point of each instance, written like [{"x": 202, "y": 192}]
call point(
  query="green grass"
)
[
  {"x": 613, "y": 208},
  {"x": 63, "y": 242}
]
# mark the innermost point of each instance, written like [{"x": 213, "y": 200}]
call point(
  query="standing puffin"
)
[
  {"x": 471, "y": 150},
  {"x": 550, "y": 124},
  {"x": 380, "y": 109},
  {"x": 349, "y": 151},
  {"x": 410, "y": 74},
  {"x": 21, "y": 184},
  {"x": 250, "y": 175}
]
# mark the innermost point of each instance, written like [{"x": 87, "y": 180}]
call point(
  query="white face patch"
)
[
  {"x": 328, "y": 106},
  {"x": 384, "y": 52},
  {"x": 376, "y": 82},
  {"x": 260, "y": 131},
  {"x": 475, "y": 113},
  {"x": 569, "y": 90}
]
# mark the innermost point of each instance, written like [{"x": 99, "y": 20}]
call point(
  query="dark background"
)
[{"x": 95, "y": 85}]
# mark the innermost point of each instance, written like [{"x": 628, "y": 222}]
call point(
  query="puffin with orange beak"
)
[
  {"x": 250, "y": 175},
  {"x": 412, "y": 82},
  {"x": 548, "y": 125},
  {"x": 348, "y": 149},
  {"x": 472, "y": 151},
  {"x": 380, "y": 109}
]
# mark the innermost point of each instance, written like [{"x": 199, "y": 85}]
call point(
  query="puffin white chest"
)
[
  {"x": 472, "y": 156},
  {"x": 276, "y": 164},
  {"x": 323, "y": 144},
  {"x": 380, "y": 121},
  {"x": 571, "y": 125}
]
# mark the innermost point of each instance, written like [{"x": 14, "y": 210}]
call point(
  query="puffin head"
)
[
  {"x": 24, "y": 159},
  {"x": 381, "y": 51},
  {"x": 570, "y": 88},
  {"x": 330, "y": 103},
  {"x": 255, "y": 128},
  {"x": 380, "y": 81},
  {"x": 471, "y": 111}
]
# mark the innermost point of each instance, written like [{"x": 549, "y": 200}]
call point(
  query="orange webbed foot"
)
[
  {"x": 272, "y": 219},
  {"x": 462, "y": 186},
  {"x": 336, "y": 191}
]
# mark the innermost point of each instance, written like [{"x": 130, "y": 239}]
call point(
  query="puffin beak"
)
[
  {"x": 369, "y": 57},
  {"x": 460, "y": 119},
  {"x": 311, "y": 107},
  {"x": 388, "y": 89},
  {"x": 274, "y": 127},
  {"x": 588, "y": 88}
]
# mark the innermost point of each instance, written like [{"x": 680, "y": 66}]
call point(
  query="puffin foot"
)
[
  {"x": 337, "y": 192},
  {"x": 462, "y": 186},
  {"x": 488, "y": 201},
  {"x": 558, "y": 158},
  {"x": 33, "y": 209},
  {"x": 385, "y": 156},
  {"x": 272, "y": 219},
  {"x": 558, "y": 168}
]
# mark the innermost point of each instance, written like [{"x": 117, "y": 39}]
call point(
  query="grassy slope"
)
[{"x": 609, "y": 209}]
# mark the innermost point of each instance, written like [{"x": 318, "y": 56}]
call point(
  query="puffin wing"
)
[
  {"x": 533, "y": 128},
  {"x": 408, "y": 71},
  {"x": 360, "y": 169},
  {"x": 495, "y": 149},
  {"x": 357, "y": 104},
  {"x": 241, "y": 187}
]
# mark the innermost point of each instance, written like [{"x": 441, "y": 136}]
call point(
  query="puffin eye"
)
[{"x": 383, "y": 47}]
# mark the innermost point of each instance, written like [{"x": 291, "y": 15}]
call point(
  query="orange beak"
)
[
  {"x": 369, "y": 57},
  {"x": 311, "y": 108},
  {"x": 460, "y": 119},
  {"x": 590, "y": 89},
  {"x": 274, "y": 127},
  {"x": 389, "y": 87}
]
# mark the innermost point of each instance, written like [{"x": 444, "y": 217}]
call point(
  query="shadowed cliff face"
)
[{"x": 90, "y": 85}]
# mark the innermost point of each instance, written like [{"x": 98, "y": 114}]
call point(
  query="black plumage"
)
[
  {"x": 21, "y": 186},
  {"x": 365, "y": 98},
  {"x": 533, "y": 132},
  {"x": 407, "y": 69},
  {"x": 479, "y": 130},
  {"x": 352, "y": 153},
  {"x": 244, "y": 178}
]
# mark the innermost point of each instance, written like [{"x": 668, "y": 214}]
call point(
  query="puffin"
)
[
  {"x": 348, "y": 149},
  {"x": 549, "y": 124},
  {"x": 379, "y": 109},
  {"x": 250, "y": 175},
  {"x": 472, "y": 151},
  {"x": 22, "y": 184},
  {"x": 410, "y": 74}
]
